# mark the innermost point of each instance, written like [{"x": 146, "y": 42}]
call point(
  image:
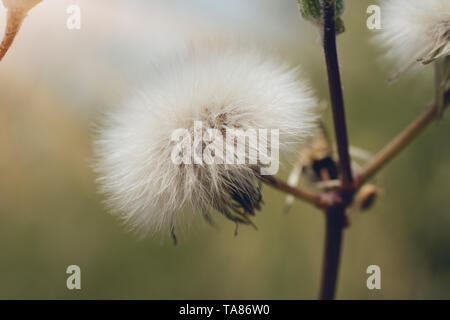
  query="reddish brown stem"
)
[
  {"x": 335, "y": 222},
  {"x": 305, "y": 195},
  {"x": 335, "y": 216},
  {"x": 336, "y": 95}
]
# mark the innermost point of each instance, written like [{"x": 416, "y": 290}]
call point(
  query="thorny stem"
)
[{"x": 335, "y": 216}]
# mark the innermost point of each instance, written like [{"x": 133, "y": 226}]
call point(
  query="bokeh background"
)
[{"x": 55, "y": 84}]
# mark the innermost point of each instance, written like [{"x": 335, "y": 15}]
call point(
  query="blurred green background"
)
[{"x": 54, "y": 84}]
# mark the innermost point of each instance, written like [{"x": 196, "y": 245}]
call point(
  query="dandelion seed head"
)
[
  {"x": 415, "y": 30},
  {"x": 220, "y": 86}
]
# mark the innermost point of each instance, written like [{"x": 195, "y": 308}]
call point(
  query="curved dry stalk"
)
[
  {"x": 304, "y": 195},
  {"x": 14, "y": 21},
  {"x": 396, "y": 145},
  {"x": 17, "y": 11}
]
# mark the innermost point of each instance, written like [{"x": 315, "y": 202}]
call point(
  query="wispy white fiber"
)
[
  {"x": 415, "y": 30},
  {"x": 221, "y": 86}
]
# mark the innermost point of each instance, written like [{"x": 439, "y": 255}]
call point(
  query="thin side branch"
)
[
  {"x": 384, "y": 156},
  {"x": 396, "y": 146},
  {"x": 283, "y": 186}
]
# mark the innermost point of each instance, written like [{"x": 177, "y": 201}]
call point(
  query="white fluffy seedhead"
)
[
  {"x": 416, "y": 30},
  {"x": 220, "y": 86}
]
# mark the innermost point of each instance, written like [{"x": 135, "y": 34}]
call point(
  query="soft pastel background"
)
[{"x": 54, "y": 84}]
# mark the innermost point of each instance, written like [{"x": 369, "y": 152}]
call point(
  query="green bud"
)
[
  {"x": 340, "y": 26},
  {"x": 340, "y": 8},
  {"x": 312, "y": 10}
]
